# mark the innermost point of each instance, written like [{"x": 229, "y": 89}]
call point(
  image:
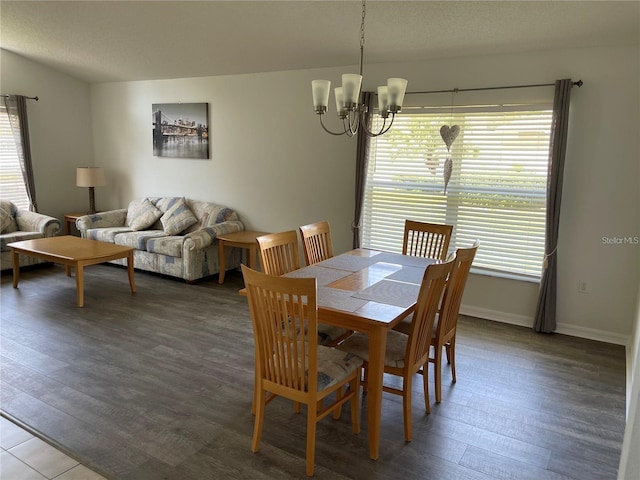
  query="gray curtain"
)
[
  {"x": 362, "y": 160},
  {"x": 17, "y": 111},
  {"x": 545, "y": 319}
]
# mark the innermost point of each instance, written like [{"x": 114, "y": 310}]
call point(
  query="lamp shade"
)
[{"x": 90, "y": 177}]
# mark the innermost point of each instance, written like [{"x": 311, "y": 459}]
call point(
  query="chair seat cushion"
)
[
  {"x": 328, "y": 334},
  {"x": 405, "y": 325},
  {"x": 394, "y": 355},
  {"x": 335, "y": 365}
]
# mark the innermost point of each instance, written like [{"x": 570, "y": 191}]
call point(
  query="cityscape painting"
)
[{"x": 180, "y": 130}]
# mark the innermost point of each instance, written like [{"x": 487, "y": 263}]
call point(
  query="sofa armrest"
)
[
  {"x": 205, "y": 236},
  {"x": 110, "y": 218},
  {"x": 37, "y": 222}
]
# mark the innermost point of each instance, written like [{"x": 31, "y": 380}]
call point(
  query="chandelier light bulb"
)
[{"x": 320, "y": 90}]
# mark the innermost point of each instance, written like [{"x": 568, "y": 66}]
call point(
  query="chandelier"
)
[{"x": 348, "y": 105}]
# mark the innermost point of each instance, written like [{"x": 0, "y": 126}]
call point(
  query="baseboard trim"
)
[{"x": 562, "y": 328}]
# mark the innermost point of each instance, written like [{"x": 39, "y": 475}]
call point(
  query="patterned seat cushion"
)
[
  {"x": 105, "y": 234},
  {"x": 171, "y": 246},
  {"x": 137, "y": 240},
  {"x": 328, "y": 334},
  {"x": 394, "y": 354},
  {"x": 334, "y": 365}
]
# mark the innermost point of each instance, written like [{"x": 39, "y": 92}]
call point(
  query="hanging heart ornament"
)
[
  {"x": 449, "y": 134},
  {"x": 448, "y": 169}
]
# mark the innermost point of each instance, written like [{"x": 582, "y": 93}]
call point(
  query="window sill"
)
[{"x": 509, "y": 276}]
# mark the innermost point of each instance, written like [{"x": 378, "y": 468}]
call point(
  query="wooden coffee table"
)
[{"x": 72, "y": 252}]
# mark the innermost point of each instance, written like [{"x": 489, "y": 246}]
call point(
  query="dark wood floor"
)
[{"x": 157, "y": 385}]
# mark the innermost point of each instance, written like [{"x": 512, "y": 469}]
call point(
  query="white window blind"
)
[
  {"x": 497, "y": 191},
  {"x": 12, "y": 185}
]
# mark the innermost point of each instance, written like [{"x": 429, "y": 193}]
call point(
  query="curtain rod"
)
[
  {"x": 456, "y": 90},
  {"x": 29, "y": 98}
]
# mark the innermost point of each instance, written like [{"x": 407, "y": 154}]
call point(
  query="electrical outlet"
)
[{"x": 584, "y": 287}]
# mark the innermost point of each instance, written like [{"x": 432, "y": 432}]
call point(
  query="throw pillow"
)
[
  {"x": 143, "y": 215},
  {"x": 178, "y": 218},
  {"x": 8, "y": 223}
]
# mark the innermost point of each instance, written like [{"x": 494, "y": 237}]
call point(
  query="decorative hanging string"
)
[{"x": 449, "y": 135}]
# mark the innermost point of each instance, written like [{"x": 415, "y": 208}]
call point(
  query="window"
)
[
  {"x": 497, "y": 191},
  {"x": 12, "y": 185}
]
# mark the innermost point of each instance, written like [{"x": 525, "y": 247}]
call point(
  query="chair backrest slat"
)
[
  {"x": 279, "y": 252},
  {"x": 316, "y": 242},
  {"x": 429, "y": 240}
]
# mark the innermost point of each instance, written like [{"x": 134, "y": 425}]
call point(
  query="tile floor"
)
[{"x": 26, "y": 457}]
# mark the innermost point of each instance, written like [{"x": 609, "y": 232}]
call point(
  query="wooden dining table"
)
[{"x": 368, "y": 291}]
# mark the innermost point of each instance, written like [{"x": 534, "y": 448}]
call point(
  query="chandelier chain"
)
[{"x": 362, "y": 35}]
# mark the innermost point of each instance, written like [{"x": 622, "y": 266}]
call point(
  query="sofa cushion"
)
[
  {"x": 137, "y": 239},
  {"x": 16, "y": 236},
  {"x": 171, "y": 246},
  {"x": 105, "y": 234},
  {"x": 178, "y": 218},
  {"x": 142, "y": 215},
  {"x": 8, "y": 223}
]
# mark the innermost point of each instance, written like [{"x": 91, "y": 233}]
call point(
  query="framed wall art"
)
[{"x": 180, "y": 130}]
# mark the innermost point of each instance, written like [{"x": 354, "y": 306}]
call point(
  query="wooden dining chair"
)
[
  {"x": 444, "y": 331},
  {"x": 405, "y": 355},
  {"x": 289, "y": 361},
  {"x": 280, "y": 255},
  {"x": 430, "y": 240},
  {"x": 316, "y": 242},
  {"x": 279, "y": 252}
]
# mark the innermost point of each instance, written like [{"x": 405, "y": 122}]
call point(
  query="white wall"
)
[
  {"x": 59, "y": 129},
  {"x": 629, "y": 459},
  {"x": 273, "y": 163}
]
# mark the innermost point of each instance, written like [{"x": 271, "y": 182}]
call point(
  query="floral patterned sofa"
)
[
  {"x": 172, "y": 235},
  {"x": 20, "y": 225}
]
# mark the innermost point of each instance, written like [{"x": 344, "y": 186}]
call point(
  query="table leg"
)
[
  {"x": 16, "y": 268},
  {"x": 67, "y": 269},
  {"x": 132, "y": 282},
  {"x": 221, "y": 265},
  {"x": 377, "y": 344},
  {"x": 80, "y": 283},
  {"x": 252, "y": 257}
]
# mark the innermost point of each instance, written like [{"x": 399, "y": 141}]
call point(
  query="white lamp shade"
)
[
  {"x": 396, "y": 88},
  {"x": 320, "y": 90},
  {"x": 351, "y": 87},
  {"x": 383, "y": 99},
  {"x": 339, "y": 99},
  {"x": 90, "y": 177}
]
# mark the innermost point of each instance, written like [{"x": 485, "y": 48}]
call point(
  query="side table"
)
[
  {"x": 70, "y": 219},
  {"x": 245, "y": 239}
]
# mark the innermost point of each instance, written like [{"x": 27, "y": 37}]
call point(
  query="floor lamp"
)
[{"x": 90, "y": 177}]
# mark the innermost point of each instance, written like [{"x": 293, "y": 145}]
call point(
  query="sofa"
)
[
  {"x": 172, "y": 236},
  {"x": 17, "y": 225}
]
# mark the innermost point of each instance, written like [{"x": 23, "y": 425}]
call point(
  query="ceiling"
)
[{"x": 104, "y": 41}]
